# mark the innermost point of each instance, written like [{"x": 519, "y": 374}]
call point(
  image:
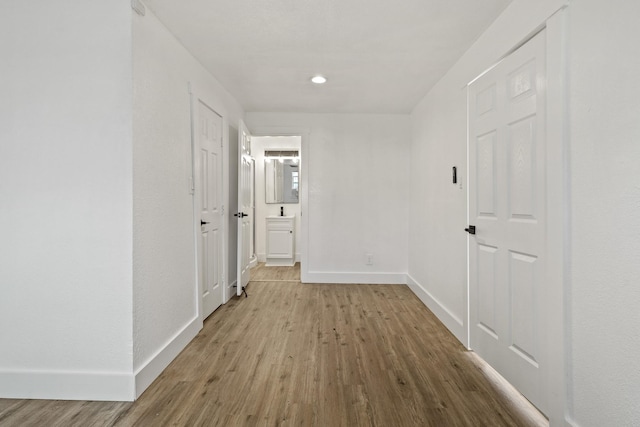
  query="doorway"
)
[
  {"x": 507, "y": 207},
  {"x": 208, "y": 136},
  {"x": 278, "y": 187}
]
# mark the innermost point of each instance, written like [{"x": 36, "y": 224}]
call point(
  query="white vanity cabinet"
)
[{"x": 280, "y": 240}]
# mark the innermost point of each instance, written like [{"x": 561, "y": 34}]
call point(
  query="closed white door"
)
[
  {"x": 244, "y": 207},
  {"x": 507, "y": 205},
  {"x": 209, "y": 172}
]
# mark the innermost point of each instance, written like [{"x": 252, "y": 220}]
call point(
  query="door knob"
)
[
  {"x": 203, "y": 222},
  {"x": 471, "y": 229}
]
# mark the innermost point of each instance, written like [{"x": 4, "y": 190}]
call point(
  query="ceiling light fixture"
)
[{"x": 318, "y": 80}]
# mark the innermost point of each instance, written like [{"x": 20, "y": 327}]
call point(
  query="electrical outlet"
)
[{"x": 369, "y": 259}]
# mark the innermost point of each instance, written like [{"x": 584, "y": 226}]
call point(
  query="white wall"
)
[
  {"x": 605, "y": 238},
  {"x": 65, "y": 191},
  {"x": 358, "y": 190},
  {"x": 258, "y": 146},
  {"x": 165, "y": 294}
]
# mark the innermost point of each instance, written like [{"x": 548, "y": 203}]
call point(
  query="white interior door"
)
[
  {"x": 507, "y": 205},
  {"x": 209, "y": 190},
  {"x": 244, "y": 207}
]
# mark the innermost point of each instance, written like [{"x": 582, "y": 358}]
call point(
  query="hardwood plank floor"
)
[
  {"x": 262, "y": 273},
  {"x": 308, "y": 355}
]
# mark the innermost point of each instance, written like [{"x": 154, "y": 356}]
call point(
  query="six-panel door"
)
[{"x": 507, "y": 204}]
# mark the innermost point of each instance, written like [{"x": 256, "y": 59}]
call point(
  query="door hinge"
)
[{"x": 222, "y": 209}]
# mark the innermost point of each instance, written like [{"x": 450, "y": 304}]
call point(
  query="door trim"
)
[
  {"x": 304, "y": 134},
  {"x": 558, "y": 214}
]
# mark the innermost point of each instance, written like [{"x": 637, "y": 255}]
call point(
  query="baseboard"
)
[
  {"x": 263, "y": 257},
  {"x": 276, "y": 262},
  {"x": 448, "y": 318},
  {"x": 159, "y": 361},
  {"x": 368, "y": 278},
  {"x": 67, "y": 385},
  {"x": 102, "y": 386}
]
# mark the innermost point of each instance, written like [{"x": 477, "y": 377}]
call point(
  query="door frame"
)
[
  {"x": 557, "y": 292},
  {"x": 195, "y": 95},
  {"x": 304, "y": 134}
]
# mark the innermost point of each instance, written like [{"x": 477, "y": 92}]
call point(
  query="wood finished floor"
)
[
  {"x": 262, "y": 273},
  {"x": 307, "y": 355}
]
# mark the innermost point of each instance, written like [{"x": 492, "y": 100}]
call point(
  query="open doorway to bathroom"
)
[{"x": 278, "y": 200}]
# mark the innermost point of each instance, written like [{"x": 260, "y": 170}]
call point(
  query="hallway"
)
[{"x": 311, "y": 355}]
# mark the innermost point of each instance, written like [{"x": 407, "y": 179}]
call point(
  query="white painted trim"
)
[
  {"x": 351, "y": 278},
  {"x": 262, "y": 257},
  {"x": 157, "y": 363},
  {"x": 67, "y": 385},
  {"x": 455, "y": 325},
  {"x": 304, "y": 212},
  {"x": 226, "y": 209},
  {"x": 275, "y": 262},
  {"x": 558, "y": 263},
  {"x": 254, "y": 261},
  {"x": 194, "y": 201}
]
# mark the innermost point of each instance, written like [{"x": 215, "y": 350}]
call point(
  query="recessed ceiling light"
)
[{"x": 318, "y": 79}]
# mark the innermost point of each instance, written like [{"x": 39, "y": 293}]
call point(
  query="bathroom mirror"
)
[{"x": 282, "y": 180}]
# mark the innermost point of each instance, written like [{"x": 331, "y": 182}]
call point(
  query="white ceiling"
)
[{"x": 380, "y": 56}]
